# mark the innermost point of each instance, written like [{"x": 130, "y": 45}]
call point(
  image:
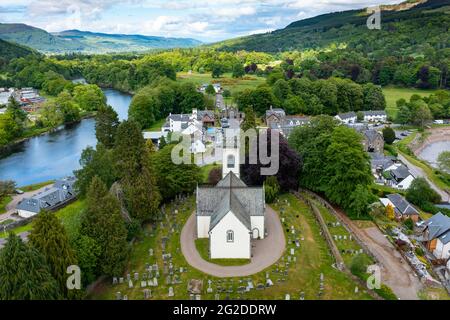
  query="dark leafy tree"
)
[{"x": 389, "y": 135}]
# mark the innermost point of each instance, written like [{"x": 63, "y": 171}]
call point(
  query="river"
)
[
  {"x": 431, "y": 152},
  {"x": 55, "y": 155}
]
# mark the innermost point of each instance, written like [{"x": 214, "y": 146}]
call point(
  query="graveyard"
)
[{"x": 157, "y": 270}]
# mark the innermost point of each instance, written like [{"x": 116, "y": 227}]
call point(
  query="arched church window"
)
[
  {"x": 230, "y": 236},
  {"x": 230, "y": 161}
]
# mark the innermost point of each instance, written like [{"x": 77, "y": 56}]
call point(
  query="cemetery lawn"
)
[
  {"x": 226, "y": 80},
  {"x": 392, "y": 94},
  {"x": 313, "y": 258},
  {"x": 202, "y": 246}
]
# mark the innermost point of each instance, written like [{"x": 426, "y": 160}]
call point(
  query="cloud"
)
[{"x": 204, "y": 20}]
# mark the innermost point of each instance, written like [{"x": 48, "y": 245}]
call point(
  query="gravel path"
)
[
  {"x": 265, "y": 252},
  {"x": 395, "y": 271}
]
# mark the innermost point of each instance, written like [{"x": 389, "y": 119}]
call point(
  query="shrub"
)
[
  {"x": 409, "y": 224},
  {"x": 271, "y": 188}
]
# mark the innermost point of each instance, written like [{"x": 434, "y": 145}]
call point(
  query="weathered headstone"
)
[
  {"x": 147, "y": 294},
  {"x": 121, "y": 280},
  {"x": 118, "y": 296},
  {"x": 130, "y": 284},
  {"x": 115, "y": 280},
  {"x": 171, "y": 293},
  {"x": 288, "y": 296}
]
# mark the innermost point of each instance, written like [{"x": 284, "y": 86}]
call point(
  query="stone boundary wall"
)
[{"x": 334, "y": 250}]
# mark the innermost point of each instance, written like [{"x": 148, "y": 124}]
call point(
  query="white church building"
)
[{"x": 230, "y": 214}]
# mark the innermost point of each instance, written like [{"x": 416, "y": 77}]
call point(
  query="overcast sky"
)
[{"x": 204, "y": 20}]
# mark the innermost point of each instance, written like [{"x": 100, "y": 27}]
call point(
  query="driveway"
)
[
  {"x": 265, "y": 253},
  {"x": 395, "y": 271},
  {"x": 418, "y": 172},
  {"x": 11, "y": 207}
]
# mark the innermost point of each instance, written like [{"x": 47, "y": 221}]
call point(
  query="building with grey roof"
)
[
  {"x": 230, "y": 213},
  {"x": 436, "y": 235},
  {"x": 61, "y": 193},
  {"x": 402, "y": 208}
]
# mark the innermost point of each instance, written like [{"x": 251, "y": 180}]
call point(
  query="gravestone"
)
[
  {"x": 171, "y": 293},
  {"x": 147, "y": 294},
  {"x": 121, "y": 280},
  {"x": 356, "y": 289},
  {"x": 217, "y": 296},
  {"x": 150, "y": 252},
  {"x": 115, "y": 280},
  {"x": 292, "y": 251},
  {"x": 168, "y": 280},
  {"x": 191, "y": 297},
  {"x": 118, "y": 296},
  {"x": 125, "y": 297},
  {"x": 198, "y": 297},
  {"x": 288, "y": 296},
  {"x": 250, "y": 284},
  {"x": 143, "y": 284},
  {"x": 155, "y": 282},
  {"x": 302, "y": 295},
  {"x": 150, "y": 283},
  {"x": 128, "y": 277},
  {"x": 269, "y": 283},
  {"x": 130, "y": 284},
  {"x": 136, "y": 276}
]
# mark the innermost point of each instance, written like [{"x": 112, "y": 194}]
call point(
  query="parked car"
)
[{"x": 18, "y": 191}]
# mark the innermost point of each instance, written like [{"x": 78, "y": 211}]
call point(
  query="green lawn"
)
[
  {"x": 4, "y": 202},
  {"x": 227, "y": 82},
  {"x": 313, "y": 258},
  {"x": 34, "y": 187},
  {"x": 156, "y": 126},
  {"x": 206, "y": 169},
  {"x": 393, "y": 94},
  {"x": 69, "y": 215},
  {"x": 202, "y": 246}
]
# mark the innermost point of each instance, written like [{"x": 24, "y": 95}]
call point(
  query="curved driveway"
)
[{"x": 265, "y": 252}]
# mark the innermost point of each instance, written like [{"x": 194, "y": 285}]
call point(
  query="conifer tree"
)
[
  {"x": 103, "y": 222},
  {"x": 24, "y": 273},
  {"x": 106, "y": 125},
  {"x": 50, "y": 238}
]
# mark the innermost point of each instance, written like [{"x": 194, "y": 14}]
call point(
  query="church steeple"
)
[{"x": 230, "y": 155}]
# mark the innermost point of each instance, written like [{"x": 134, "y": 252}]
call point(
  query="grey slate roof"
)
[
  {"x": 400, "y": 173},
  {"x": 275, "y": 111},
  {"x": 230, "y": 193},
  {"x": 438, "y": 226},
  {"x": 347, "y": 115},
  {"x": 402, "y": 206},
  {"x": 61, "y": 191},
  {"x": 374, "y": 113},
  {"x": 179, "y": 117},
  {"x": 379, "y": 160},
  {"x": 202, "y": 113},
  {"x": 372, "y": 135}
]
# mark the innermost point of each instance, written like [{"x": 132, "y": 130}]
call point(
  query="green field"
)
[
  {"x": 393, "y": 94},
  {"x": 226, "y": 81},
  {"x": 4, "y": 202}
]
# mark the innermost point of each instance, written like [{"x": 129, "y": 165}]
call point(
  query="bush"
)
[
  {"x": 359, "y": 265},
  {"x": 409, "y": 224},
  {"x": 419, "y": 251},
  {"x": 389, "y": 135},
  {"x": 386, "y": 293},
  {"x": 271, "y": 188},
  {"x": 391, "y": 150}
]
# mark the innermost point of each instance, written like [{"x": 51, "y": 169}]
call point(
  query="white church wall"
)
[
  {"x": 239, "y": 248},
  {"x": 257, "y": 222},
  {"x": 203, "y": 226}
]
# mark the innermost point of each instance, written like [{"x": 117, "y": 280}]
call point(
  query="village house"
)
[
  {"x": 402, "y": 208},
  {"x": 375, "y": 116},
  {"x": 61, "y": 193},
  {"x": 5, "y": 95},
  {"x": 436, "y": 235},
  {"x": 230, "y": 214},
  {"x": 287, "y": 124},
  {"x": 401, "y": 177},
  {"x": 347, "y": 118},
  {"x": 274, "y": 115},
  {"x": 373, "y": 141}
]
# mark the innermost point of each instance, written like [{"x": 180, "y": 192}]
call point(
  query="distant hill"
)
[
  {"x": 9, "y": 51},
  {"x": 87, "y": 42},
  {"x": 105, "y": 42},
  {"x": 413, "y": 21}
]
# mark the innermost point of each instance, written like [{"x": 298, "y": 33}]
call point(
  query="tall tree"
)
[
  {"x": 49, "y": 237},
  {"x": 106, "y": 125},
  {"x": 103, "y": 222},
  {"x": 250, "y": 119},
  {"x": 24, "y": 273}
]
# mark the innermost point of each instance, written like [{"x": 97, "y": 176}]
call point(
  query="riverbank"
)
[
  {"x": 428, "y": 137},
  {"x": 36, "y": 132}
]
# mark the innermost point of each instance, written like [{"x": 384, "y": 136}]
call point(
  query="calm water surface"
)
[{"x": 55, "y": 155}]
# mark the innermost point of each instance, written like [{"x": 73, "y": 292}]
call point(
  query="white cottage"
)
[{"x": 230, "y": 214}]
